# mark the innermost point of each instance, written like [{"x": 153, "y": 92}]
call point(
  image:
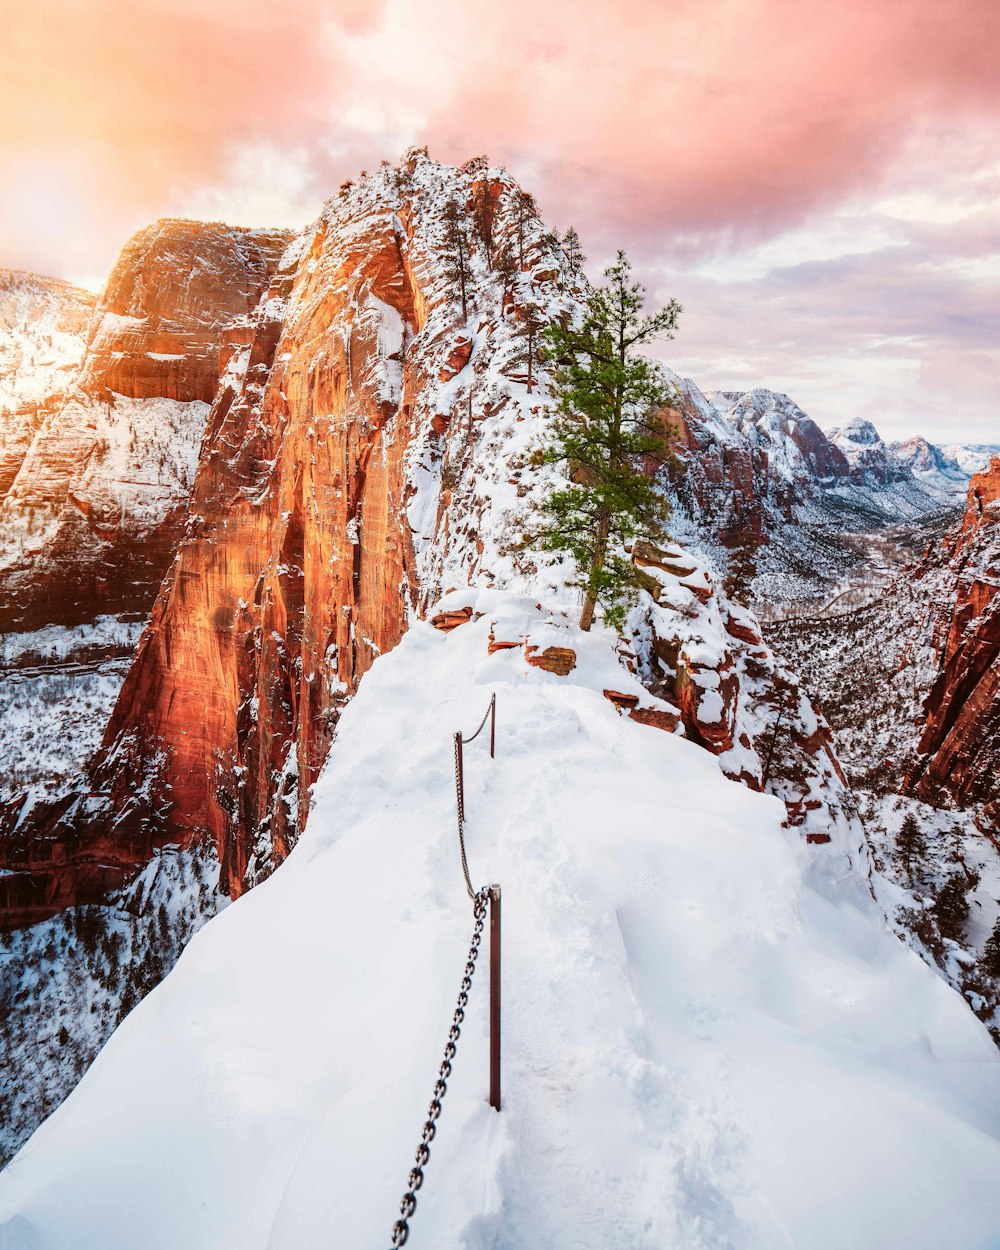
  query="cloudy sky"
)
[{"x": 818, "y": 181}]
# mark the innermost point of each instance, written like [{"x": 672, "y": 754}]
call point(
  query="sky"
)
[{"x": 817, "y": 181}]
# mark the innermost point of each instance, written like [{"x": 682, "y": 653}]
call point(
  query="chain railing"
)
[{"x": 490, "y": 894}]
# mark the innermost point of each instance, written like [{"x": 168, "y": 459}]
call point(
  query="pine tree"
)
[
  {"x": 456, "y": 258},
  {"x": 482, "y": 215},
  {"x": 505, "y": 268},
  {"x": 909, "y": 842},
  {"x": 573, "y": 252},
  {"x": 991, "y": 952},
  {"x": 525, "y": 211},
  {"x": 605, "y": 394},
  {"x": 951, "y": 907},
  {"x": 529, "y": 330},
  {"x": 741, "y": 568}
]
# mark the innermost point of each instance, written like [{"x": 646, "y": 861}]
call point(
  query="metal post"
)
[
  {"x": 459, "y": 781},
  {"x": 493, "y": 726},
  {"x": 495, "y": 997}
]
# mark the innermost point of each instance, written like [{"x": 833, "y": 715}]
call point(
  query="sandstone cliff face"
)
[
  {"x": 43, "y": 328},
  {"x": 177, "y": 288},
  {"x": 958, "y": 756},
  {"x": 91, "y": 518},
  {"x": 358, "y": 458},
  {"x": 797, "y": 448}
]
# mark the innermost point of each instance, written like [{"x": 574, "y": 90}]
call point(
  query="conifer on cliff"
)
[{"x": 606, "y": 394}]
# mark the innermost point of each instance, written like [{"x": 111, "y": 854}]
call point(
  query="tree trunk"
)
[
  {"x": 587, "y": 615},
  {"x": 596, "y": 568}
]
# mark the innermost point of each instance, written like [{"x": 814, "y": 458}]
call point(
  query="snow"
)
[
  {"x": 128, "y": 461},
  {"x": 971, "y": 457},
  {"x": 58, "y": 686},
  {"x": 711, "y": 1039},
  {"x": 66, "y": 982}
]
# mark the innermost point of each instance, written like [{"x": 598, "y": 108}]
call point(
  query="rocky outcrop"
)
[
  {"x": 92, "y": 517},
  {"x": 869, "y": 460},
  {"x": 342, "y": 485},
  {"x": 722, "y": 480},
  {"x": 958, "y": 756},
  {"x": 797, "y": 449},
  {"x": 704, "y": 655}
]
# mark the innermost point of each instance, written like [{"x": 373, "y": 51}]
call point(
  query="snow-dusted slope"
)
[
  {"x": 97, "y": 459},
  {"x": 710, "y": 1038},
  {"x": 971, "y": 457},
  {"x": 43, "y": 324}
]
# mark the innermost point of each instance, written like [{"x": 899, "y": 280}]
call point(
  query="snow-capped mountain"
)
[{"x": 972, "y": 458}]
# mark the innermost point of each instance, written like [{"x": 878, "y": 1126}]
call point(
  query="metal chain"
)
[
  {"x": 401, "y": 1229},
  {"x": 460, "y": 801},
  {"x": 492, "y": 705}
]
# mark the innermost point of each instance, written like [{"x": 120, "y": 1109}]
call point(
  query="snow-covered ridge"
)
[{"x": 765, "y": 1062}]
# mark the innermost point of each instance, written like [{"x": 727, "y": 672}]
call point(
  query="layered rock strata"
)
[{"x": 90, "y": 519}]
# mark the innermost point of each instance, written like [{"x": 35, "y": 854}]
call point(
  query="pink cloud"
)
[
  {"x": 737, "y": 116},
  {"x": 683, "y": 129}
]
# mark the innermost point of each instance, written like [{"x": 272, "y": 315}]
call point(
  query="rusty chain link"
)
[{"x": 401, "y": 1229}]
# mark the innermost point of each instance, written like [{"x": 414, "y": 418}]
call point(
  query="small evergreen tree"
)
[
  {"x": 909, "y": 842},
  {"x": 741, "y": 568},
  {"x": 991, "y": 952},
  {"x": 525, "y": 211},
  {"x": 605, "y": 395},
  {"x": 573, "y": 252},
  {"x": 456, "y": 257},
  {"x": 530, "y": 327},
  {"x": 482, "y": 215},
  {"x": 951, "y": 907},
  {"x": 505, "y": 268}
]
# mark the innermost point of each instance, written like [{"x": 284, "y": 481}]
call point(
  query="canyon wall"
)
[
  {"x": 43, "y": 335},
  {"x": 958, "y": 756},
  {"x": 91, "y": 516},
  {"x": 372, "y": 444}
]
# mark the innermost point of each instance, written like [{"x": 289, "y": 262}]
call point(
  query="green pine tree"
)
[
  {"x": 951, "y": 907},
  {"x": 456, "y": 252},
  {"x": 909, "y": 842},
  {"x": 573, "y": 252},
  {"x": 606, "y": 394}
]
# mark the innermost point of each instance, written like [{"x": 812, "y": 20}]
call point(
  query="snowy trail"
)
[{"x": 708, "y": 1043}]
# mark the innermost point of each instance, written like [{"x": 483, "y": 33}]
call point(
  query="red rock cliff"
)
[
  {"x": 958, "y": 756},
  {"x": 351, "y": 453},
  {"x": 177, "y": 287},
  {"x": 43, "y": 331},
  {"x": 93, "y": 514}
]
